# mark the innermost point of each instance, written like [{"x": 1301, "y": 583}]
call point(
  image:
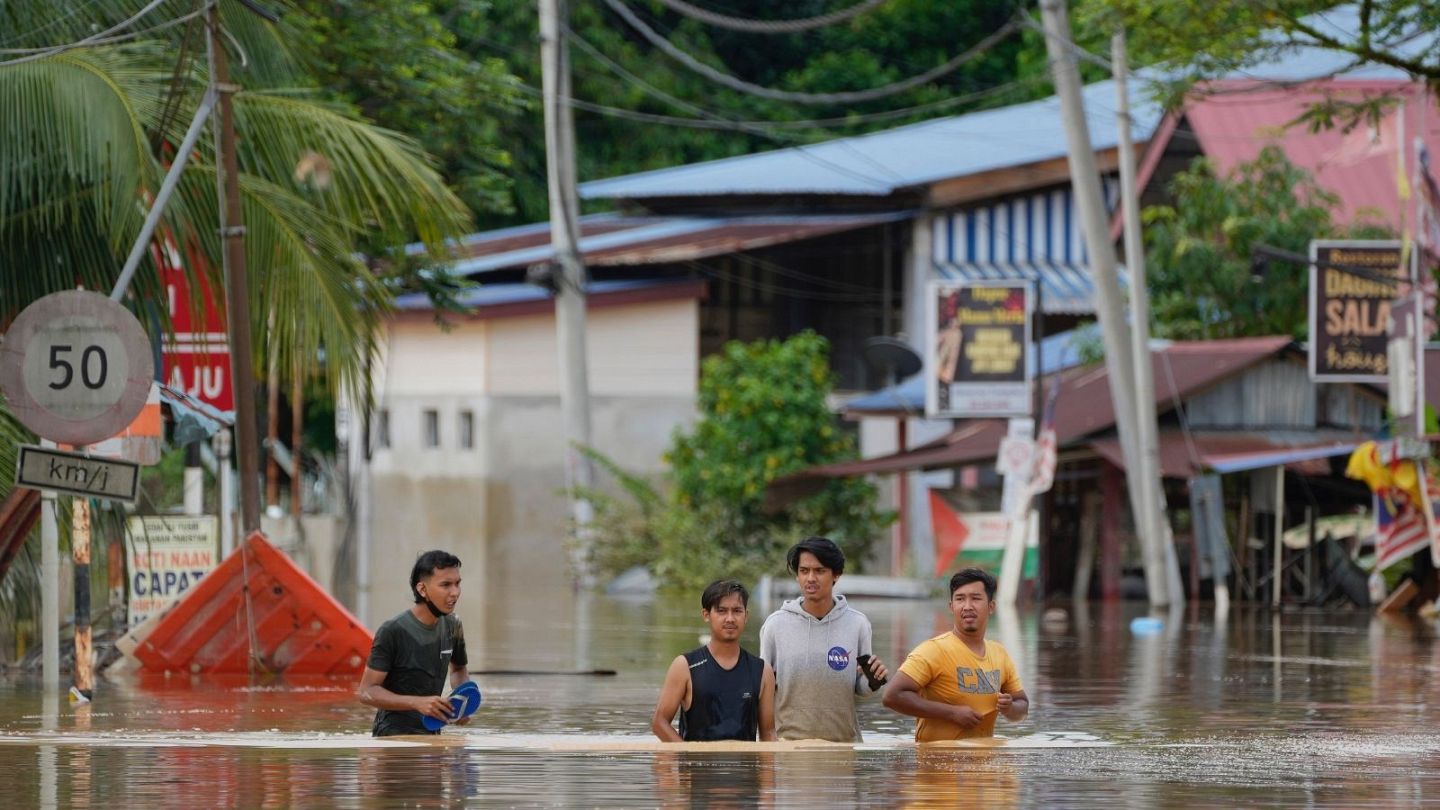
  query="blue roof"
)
[
  {"x": 881, "y": 163},
  {"x": 491, "y": 295}
]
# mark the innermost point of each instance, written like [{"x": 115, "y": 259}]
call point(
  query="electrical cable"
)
[
  {"x": 689, "y": 107},
  {"x": 95, "y": 38},
  {"x": 755, "y": 26},
  {"x": 848, "y": 97}
]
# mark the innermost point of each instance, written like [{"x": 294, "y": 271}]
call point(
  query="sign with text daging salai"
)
[
  {"x": 976, "y": 354},
  {"x": 167, "y": 554},
  {"x": 1348, "y": 312}
]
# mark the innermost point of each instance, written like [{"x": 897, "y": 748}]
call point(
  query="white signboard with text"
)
[{"x": 168, "y": 554}]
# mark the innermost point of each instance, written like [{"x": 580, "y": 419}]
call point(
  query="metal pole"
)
[
  {"x": 172, "y": 178},
  {"x": 570, "y": 285},
  {"x": 237, "y": 287},
  {"x": 225, "y": 484},
  {"x": 49, "y": 591},
  {"x": 80, "y": 552},
  {"x": 1279, "y": 567},
  {"x": 1145, "y": 412},
  {"x": 1085, "y": 179}
]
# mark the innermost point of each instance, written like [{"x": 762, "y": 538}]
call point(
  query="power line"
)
[
  {"x": 100, "y": 37},
  {"x": 848, "y": 97},
  {"x": 693, "y": 108},
  {"x": 770, "y": 26}
]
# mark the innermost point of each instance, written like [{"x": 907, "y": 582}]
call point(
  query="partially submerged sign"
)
[
  {"x": 1348, "y": 312},
  {"x": 168, "y": 554},
  {"x": 77, "y": 474},
  {"x": 76, "y": 367},
  {"x": 976, "y": 357}
]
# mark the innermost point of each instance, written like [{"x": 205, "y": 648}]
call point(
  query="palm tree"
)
[
  {"x": 86, "y": 139},
  {"x": 86, "y": 136}
]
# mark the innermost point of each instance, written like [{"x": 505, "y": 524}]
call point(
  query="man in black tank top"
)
[{"x": 721, "y": 691}]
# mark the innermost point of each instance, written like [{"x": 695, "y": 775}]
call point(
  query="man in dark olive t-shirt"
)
[{"x": 413, "y": 653}]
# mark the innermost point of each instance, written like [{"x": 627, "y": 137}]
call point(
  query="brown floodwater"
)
[{"x": 1289, "y": 710}]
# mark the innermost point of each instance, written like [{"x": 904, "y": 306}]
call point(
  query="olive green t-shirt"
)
[{"x": 416, "y": 660}]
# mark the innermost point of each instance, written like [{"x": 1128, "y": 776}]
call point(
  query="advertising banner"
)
[
  {"x": 1348, "y": 313},
  {"x": 167, "y": 555},
  {"x": 976, "y": 357}
]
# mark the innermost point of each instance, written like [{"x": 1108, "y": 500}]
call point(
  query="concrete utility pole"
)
[
  {"x": 1085, "y": 180},
  {"x": 570, "y": 281},
  {"x": 1147, "y": 419},
  {"x": 237, "y": 287}
]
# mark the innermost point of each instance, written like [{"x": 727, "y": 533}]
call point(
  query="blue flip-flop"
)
[{"x": 464, "y": 700}]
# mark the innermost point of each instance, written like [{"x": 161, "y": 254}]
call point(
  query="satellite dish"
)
[{"x": 892, "y": 355}]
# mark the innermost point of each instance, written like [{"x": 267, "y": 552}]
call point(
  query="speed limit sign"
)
[{"x": 76, "y": 367}]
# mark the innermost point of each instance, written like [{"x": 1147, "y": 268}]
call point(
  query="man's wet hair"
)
[
  {"x": 721, "y": 588},
  {"x": 824, "y": 550},
  {"x": 426, "y": 564},
  {"x": 968, "y": 575}
]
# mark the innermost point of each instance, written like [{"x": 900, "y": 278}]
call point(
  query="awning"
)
[
  {"x": 1065, "y": 289},
  {"x": 1229, "y": 453}
]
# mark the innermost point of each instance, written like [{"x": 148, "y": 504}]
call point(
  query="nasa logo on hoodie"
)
[{"x": 838, "y": 658}]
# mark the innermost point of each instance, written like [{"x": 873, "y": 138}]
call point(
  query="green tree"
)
[
  {"x": 1197, "y": 41},
  {"x": 1198, "y": 248},
  {"x": 87, "y": 138},
  {"x": 402, "y": 67},
  {"x": 763, "y": 415}
]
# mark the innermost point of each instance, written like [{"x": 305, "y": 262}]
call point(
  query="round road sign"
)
[{"x": 76, "y": 367}]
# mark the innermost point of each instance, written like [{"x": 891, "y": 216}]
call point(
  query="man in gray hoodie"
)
[{"x": 819, "y": 648}]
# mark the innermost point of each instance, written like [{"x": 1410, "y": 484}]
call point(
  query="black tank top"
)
[{"x": 724, "y": 703}]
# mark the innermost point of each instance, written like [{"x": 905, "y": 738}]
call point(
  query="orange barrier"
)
[{"x": 256, "y": 612}]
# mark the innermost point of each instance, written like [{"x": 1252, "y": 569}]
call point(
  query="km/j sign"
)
[{"x": 76, "y": 474}]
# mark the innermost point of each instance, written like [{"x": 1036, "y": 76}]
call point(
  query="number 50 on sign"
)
[{"x": 76, "y": 367}]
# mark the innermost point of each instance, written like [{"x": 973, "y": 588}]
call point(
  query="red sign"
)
[{"x": 197, "y": 359}]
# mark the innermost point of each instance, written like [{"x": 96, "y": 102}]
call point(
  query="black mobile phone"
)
[{"x": 864, "y": 661}]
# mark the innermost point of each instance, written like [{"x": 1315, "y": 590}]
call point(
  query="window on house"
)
[
  {"x": 432, "y": 428},
  {"x": 382, "y": 428},
  {"x": 467, "y": 429}
]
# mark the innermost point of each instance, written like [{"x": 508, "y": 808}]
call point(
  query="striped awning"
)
[{"x": 1065, "y": 289}]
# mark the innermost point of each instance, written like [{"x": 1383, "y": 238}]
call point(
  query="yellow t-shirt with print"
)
[{"x": 948, "y": 672}]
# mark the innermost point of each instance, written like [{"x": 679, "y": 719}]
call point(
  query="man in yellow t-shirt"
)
[{"x": 957, "y": 683}]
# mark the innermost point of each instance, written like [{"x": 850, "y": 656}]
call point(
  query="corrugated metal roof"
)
[
  {"x": 506, "y": 295},
  {"x": 881, "y": 163},
  {"x": 1065, "y": 289},
  {"x": 1083, "y": 408},
  {"x": 1233, "y": 125},
  {"x": 611, "y": 239},
  {"x": 1230, "y": 452}
]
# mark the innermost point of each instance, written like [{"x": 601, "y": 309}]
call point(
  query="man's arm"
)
[
  {"x": 903, "y": 696},
  {"x": 672, "y": 696},
  {"x": 767, "y": 705},
  {"x": 372, "y": 693},
  {"x": 1014, "y": 705}
]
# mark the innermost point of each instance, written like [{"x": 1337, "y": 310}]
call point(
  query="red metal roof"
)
[
  {"x": 1083, "y": 408},
  {"x": 1235, "y": 119},
  {"x": 611, "y": 239},
  {"x": 1182, "y": 458}
]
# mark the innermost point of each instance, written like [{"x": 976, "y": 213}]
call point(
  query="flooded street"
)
[{"x": 1309, "y": 710}]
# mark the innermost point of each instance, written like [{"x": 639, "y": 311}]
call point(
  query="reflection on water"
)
[{"x": 1300, "y": 709}]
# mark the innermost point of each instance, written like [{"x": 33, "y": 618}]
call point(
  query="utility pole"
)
[
  {"x": 1146, "y": 417},
  {"x": 237, "y": 287},
  {"x": 1085, "y": 180},
  {"x": 570, "y": 279}
]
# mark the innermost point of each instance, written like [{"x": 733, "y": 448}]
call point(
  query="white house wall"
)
[{"x": 499, "y": 504}]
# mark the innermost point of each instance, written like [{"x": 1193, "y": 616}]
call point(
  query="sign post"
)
[{"x": 75, "y": 368}]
